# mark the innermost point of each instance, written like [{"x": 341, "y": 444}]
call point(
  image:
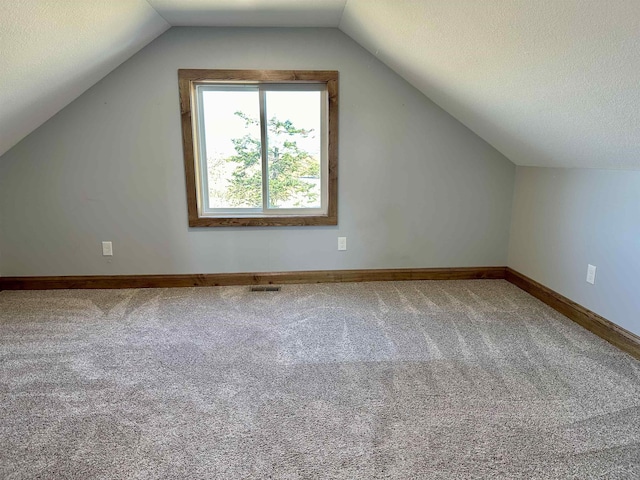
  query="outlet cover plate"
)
[
  {"x": 107, "y": 249},
  {"x": 591, "y": 274}
]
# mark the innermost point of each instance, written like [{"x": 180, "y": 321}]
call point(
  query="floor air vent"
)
[{"x": 265, "y": 288}]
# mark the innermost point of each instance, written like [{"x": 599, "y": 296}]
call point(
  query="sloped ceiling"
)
[
  {"x": 546, "y": 82},
  {"x": 51, "y": 51}
]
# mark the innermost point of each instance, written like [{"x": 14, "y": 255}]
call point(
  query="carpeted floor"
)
[{"x": 434, "y": 380}]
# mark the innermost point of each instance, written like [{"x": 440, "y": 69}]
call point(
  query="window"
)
[{"x": 260, "y": 146}]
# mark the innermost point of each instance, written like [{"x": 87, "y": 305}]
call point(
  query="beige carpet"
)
[{"x": 435, "y": 380}]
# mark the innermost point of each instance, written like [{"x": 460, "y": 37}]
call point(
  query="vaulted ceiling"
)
[{"x": 546, "y": 82}]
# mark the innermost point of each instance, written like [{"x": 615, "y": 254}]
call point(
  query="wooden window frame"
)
[{"x": 187, "y": 81}]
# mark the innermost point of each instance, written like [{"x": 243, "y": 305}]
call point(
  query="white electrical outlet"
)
[
  {"x": 342, "y": 243},
  {"x": 591, "y": 274},
  {"x": 107, "y": 249}
]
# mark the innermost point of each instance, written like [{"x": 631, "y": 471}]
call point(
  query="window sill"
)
[{"x": 264, "y": 221}]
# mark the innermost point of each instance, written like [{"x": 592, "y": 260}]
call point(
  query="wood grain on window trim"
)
[{"x": 187, "y": 78}]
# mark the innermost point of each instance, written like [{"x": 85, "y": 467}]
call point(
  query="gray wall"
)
[
  {"x": 416, "y": 188},
  {"x": 564, "y": 219}
]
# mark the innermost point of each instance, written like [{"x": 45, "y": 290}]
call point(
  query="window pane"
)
[
  {"x": 233, "y": 148},
  {"x": 294, "y": 146}
]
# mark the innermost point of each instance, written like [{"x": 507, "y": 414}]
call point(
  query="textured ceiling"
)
[
  {"x": 53, "y": 50},
  {"x": 251, "y": 13},
  {"x": 547, "y": 82}
]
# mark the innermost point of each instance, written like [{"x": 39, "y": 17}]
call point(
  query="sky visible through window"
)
[{"x": 222, "y": 125}]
